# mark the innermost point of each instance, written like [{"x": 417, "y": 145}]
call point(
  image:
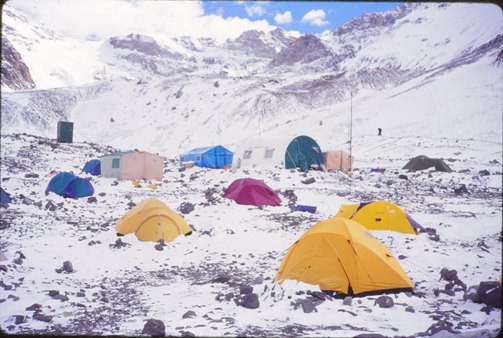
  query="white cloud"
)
[
  {"x": 283, "y": 19},
  {"x": 103, "y": 19},
  {"x": 315, "y": 17},
  {"x": 255, "y": 10}
]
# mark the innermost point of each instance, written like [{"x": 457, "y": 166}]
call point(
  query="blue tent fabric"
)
[
  {"x": 302, "y": 152},
  {"x": 68, "y": 185},
  {"x": 209, "y": 157},
  {"x": 4, "y": 197},
  {"x": 92, "y": 167}
]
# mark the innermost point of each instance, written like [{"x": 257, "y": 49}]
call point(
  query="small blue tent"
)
[
  {"x": 69, "y": 185},
  {"x": 4, "y": 197},
  {"x": 209, "y": 157},
  {"x": 92, "y": 167}
]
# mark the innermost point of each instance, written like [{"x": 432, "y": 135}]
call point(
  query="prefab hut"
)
[
  {"x": 132, "y": 165},
  {"x": 337, "y": 160},
  {"x": 301, "y": 152},
  {"x": 215, "y": 157}
]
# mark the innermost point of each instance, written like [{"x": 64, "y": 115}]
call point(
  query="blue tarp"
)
[
  {"x": 69, "y": 185},
  {"x": 4, "y": 197},
  {"x": 92, "y": 167},
  {"x": 209, "y": 157}
]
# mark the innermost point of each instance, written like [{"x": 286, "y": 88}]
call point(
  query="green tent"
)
[
  {"x": 302, "y": 152},
  {"x": 422, "y": 162}
]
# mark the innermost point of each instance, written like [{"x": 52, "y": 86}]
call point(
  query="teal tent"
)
[{"x": 303, "y": 152}]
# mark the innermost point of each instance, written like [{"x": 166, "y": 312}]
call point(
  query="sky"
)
[{"x": 101, "y": 19}]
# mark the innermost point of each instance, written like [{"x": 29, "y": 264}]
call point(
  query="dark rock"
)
[
  {"x": 131, "y": 204},
  {"x": 53, "y": 293},
  {"x": 258, "y": 280},
  {"x": 403, "y": 177},
  {"x": 489, "y": 293},
  {"x": 80, "y": 294},
  {"x": 484, "y": 172},
  {"x": 410, "y": 309},
  {"x": 460, "y": 190},
  {"x": 319, "y": 295},
  {"x": 154, "y": 327},
  {"x": 19, "y": 319},
  {"x": 34, "y": 307},
  {"x": 245, "y": 289},
  {"x": 186, "y": 208},
  {"x": 229, "y": 296},
  {"x": 471, "y": 294},
  {"x": 41, "y": 317},
  {"x": 308, "y": 306},
  {"x": 50, "y": 206},
  {"x": 369, "y": 335},
  {"x": 384, "y": 302},
  {"x": 3, "y": 267},
  {"x": 187, "y": 334},
  {"x": 347, "y": 300},
  {"x": 31, "y": 175},
  {"x": 309, "y": 180},
  {"x": 158, "y": 247},
  {"x": 67, "y": 266},
  {"x": 189, "y": 314},
  {"x": 102, "y": 194},
  {"x": 27, "y": 201},
  {"x": 401, "y": 257},
  {"x": 119, "y": 244},
  {"x": 92, "y": 199},
  {"x": 250, "y": 301},
  {"x": 62, "y": 298},
  {"x": 221, "y": 279}
]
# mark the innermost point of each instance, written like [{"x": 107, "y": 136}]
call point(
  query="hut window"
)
[
  {"x": 247, "y": 154},
  {"x": 116, "y": 163},
  {"x": 268, "y": 153},
  {"x": 197, "y": 158}
]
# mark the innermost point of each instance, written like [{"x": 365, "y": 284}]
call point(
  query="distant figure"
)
[{"x": 379, "y": 131}]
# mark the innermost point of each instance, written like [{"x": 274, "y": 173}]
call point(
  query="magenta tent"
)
[{"x": 252, "y": 192}]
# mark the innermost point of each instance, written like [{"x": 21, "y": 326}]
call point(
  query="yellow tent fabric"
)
[
  {"x": 151, "y": 220},
  {"x": 338, "y": 254},
  {"x": 379, "y": 215}
]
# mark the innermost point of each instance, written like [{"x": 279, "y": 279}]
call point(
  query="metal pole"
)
[{"x": 351, "y": 135}]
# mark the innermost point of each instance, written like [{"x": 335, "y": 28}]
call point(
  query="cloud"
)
[
  {"x": 315, "y": 17},
  {"x": 255, "y": 10},
  {"x": 98, "y": 19},
  {"x": 283, "y": 19}
]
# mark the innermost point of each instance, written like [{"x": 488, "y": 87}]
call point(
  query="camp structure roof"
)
[
  {"x": 423, "y": 162},
  {"x": 340, "y": 255},
  {"x": 216, "y": 157},
  {"x": 380, "y": 215},
  {"x": 151, "y": 220}
]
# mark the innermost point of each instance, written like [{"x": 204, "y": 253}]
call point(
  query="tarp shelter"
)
[
  {"x": 209, "y": 157},
  {"x": 337, "y": 160},
  {"x": 132, "y": 166},
  {"x": 252, "y": 192},
  {"x": 422, "y": 162},
  {"x": 380, "y": 215},
  {"x": 4, "y": 197},
  {"x": 151, "y": 220},
  {"x": 301, "y": 152},
  {"x": 68, "y": 185},
  {"x": 92, "y": 167},
  {"x": 341, "y": 255}
]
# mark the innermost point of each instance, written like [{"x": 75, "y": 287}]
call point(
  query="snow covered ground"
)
[{"x": 115, "y": 290}]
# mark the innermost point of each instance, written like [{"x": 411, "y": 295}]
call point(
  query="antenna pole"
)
[{"x": 351, "y": 135}]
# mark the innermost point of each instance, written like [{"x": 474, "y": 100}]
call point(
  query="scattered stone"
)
[
  {"x": 50, "y": 206},
  {"x": 489, "y": 293},
  {"x": 67, "y": 267},
  {"x": 460, "y": 190},
  {"x": 308, "y": 306},
  {"x": 249, "y": 301},
  {"x": 62, "y": 298},
  {"x": 258, "y": 280},
  {"x": 221, "y": 279},
  {"x": 187, "y": 334},
  {"x": 131, "y": 204},
  {"x": 3, "y": 267},
  {"x": 31, "y": 175},
  {"x": 119, "y": 244},
  {"x": 158, "y": 247},
  {"x": 19, "y": 319},
  {"x": 41, "y": 317},
  {"x": 154, "y": 327},
  {"x": 410, "y": 309},
  {"x": 189, "y": 314},
  {"x": 92, "y": 199},
  {"x": 34, "y": 307},
  {"x": 245, "y": 289},
  {"x": 27, "y": 200},
  {"x": 309, "y": 181},
  {"x": 347, "y": 300},
  {"x": 403, "y": 177},
  {"x": 384, "y": 302},
  {"x": 401, "y": 257},
  {"x": 80, "y": 294},
  {"x": 186, "y": 208},
  {"x": 484, "y": 172},
  {"x": 53, "y": 293},
  {"x": 102, "y": 194}
]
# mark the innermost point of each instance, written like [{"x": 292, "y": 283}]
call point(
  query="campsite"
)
[
  {"x": 251, "y": 169},
  {"x": 195, "y": 284}
]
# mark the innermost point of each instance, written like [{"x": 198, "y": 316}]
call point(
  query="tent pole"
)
[{"x": 351, "y": 135}]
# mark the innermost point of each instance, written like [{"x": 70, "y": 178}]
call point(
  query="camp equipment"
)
[
  {"x": 68, "y": 185},
  {"x": 92, "y": 167},
  {"x": 337, "y": 160},
  {"x": 252, "y": 192},
  {"x": 4, "y": 197},
  {"x": 380, "y": 215},
  {"x": 65, "y": 131},
  {"x": 216, "y": 157},
  {"x": 341, "y": 255},
  {"x": 151, "y": 220},
  {"x": 422, "y": 162},
  {"x": 299, "y": 207},
  {"x": 132, "y": 165}
]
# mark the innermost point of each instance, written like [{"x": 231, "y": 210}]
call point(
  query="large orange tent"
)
[{"x": 341, "y": 255}]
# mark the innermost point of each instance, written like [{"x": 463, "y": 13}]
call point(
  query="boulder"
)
[
  {"x": 347, "y": 301},
  {"x": 309, "y": 180},
  {"x": 41, "y": 317},
  {"x": 249, "y": 301},
  {"x": 154, "y": 327},
  {"x": 384, "y": 302},
  {"x": 308, "y": 306},
  {"x": 489, "y": 293},
  {"x": 34, "y": 307},
  {"x": 245, "y": 289},
  {"x": 92, "y": 199},
  {"x": 186, "y": 208},
  {"x": 189, "y": 314}
]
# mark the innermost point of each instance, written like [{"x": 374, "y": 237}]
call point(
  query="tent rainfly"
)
[
  {"x": 215, "y": 157},
  {"x": 252, "y": 192},
  {"x": 92, "y": 167},
  {"x": 132, "y": 166},
  {"x": 4, "y": 197},
  {"x": 341, "y": 255},
  {"x": 68, "y": 185},
  {"x": 422, "y": 162},
  {"x": 337, "y": 160}
]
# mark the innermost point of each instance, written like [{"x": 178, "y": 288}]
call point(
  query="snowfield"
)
[{"x": 115, "y": 289}]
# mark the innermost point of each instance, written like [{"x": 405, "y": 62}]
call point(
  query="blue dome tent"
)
[
  {"x": 92, "y": 167},
  {"x": 4, "y": 197},
  {"x": 68, "y": 185},
  {"x": 209, "y": 157}
]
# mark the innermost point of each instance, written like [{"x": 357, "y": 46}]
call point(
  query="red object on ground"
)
[{"x": 252, "y": 192}]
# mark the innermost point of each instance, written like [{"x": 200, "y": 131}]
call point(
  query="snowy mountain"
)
[{"x": 404, "y": 68}]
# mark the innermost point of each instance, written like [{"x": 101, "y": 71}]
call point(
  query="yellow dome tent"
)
[
  {"x": 151, "y": 220},
  {"x": 340, "y": 255},
  {"x": 380, "y": 215}
]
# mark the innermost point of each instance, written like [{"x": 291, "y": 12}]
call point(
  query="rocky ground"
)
[{"x": 64, "y": 271}]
